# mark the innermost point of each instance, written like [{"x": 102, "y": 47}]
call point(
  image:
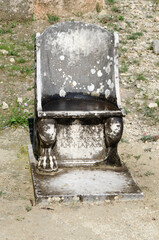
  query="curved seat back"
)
[{"x": 75, "y": 59}]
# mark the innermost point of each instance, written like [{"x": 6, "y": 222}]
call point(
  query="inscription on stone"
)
[{"x": 80, "y": 142}]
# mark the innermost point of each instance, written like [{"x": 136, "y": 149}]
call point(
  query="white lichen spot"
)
[
  {"x": 70, "y": 76},
  {"x": 44, "y": 74},
  {"x": 60, "y": 69},
  {"x": 111, "y": 85},
  {"x": 109, "y": 82},
  {"x": 115, "y": 128},
  {"x": 107, "y": 93},
  {"x": 111, "y": 59},
  {"x": 98, "y": 62},
  {"x": 108, "y": 69},
  {"x": 93, "y": 71},
  {"x": 108, "y": 57},
  {"x": 101, "y": 89},
  {"x": 51, "y": 131},
  {"x": 91, "y": 87},
  {"x": 74, "y": 83},
  {"x": 62, "y": 57},
  {"x": 99, "y": 73},
  {"x": 62, "y": 93},
  {"x": 104, "y": 68}
]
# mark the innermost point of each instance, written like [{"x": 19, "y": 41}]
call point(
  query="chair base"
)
[{"x": 96, "y": 183}]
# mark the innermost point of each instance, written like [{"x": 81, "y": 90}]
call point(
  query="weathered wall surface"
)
[
  {"x": 16, "y": 9},
  {"x": 64, "y": 7},
  {"x": 24, "y": 9}
]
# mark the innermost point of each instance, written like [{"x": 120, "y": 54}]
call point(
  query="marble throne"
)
[{"x": 78, "y": 114}]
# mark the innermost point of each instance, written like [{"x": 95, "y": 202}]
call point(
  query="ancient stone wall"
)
[
  {"x": 16, "y": 9},
  {"x": 24, "y": 9},
  {"x": 64, "y": 7}
]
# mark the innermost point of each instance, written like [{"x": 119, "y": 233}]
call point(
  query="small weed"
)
[
  {"x": 20, "y": 60},
  {"x": 126, "y": 110},
  {"x": 115, "y": 9},
  {"x": 140, "y": 76},
  {"x": 3, "y": 40},
  {"x": 29, "y": 88},
  {"x": 32, "y": 18},
  {"x": 2, "y": 193},
  {"x": 23, "y": 150},
  {"x": 123, "y": 50},
  {"x": 135, "y": 61},
  {"x": 4, "y": 31},
  {"x": 148, "y": 173},
  {"x": 129, "y": 156},
  {"x": 2, "y": 66},
  {"x": 17, "y": 117},
  {"x": 149, "y": 16},
  {"x": 149, "y": 112},
  {"x": 121, "y": 18},
  {"x": 111, "y": 1},
  {"x": 147, "y": 149},
  {"x": 53, "y": 18},
  {"x": 106, "y": 19},
  {"x": 15, "y": 68},
  {"x": 98, "y": 8},
  {"x": 149, "y": 138},
  {"x": 128, "y": 24},
  {"x": 27, "y": 70},
  {"x": 135, "y": 36},
  {"x": 150, "y": 47},
  {"x": 20, "y": 218},
  {"x": 157, "y": 101},
  {"x": 137, "y": 157},
  {"x": 124, "y": 68},
  {"x": 157, "y": 64},
  {"x": 124, "y": 140},
  {"x": 123, "y": 42},
  {"x": 28, "y": 208},
  {"x": 13, "y": 24}
]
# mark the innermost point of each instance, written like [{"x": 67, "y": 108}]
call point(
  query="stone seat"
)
[
  {"x": 79, "y": 107},
  {"x": 78, "y": 113}
]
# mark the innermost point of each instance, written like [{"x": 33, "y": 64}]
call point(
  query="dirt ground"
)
[{"x": 20, "y": 218}]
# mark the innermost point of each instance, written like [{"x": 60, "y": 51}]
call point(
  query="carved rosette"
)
[{"x": 47, "y": 130}]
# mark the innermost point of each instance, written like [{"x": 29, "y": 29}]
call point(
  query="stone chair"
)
[{"x": 78, "y": 114}]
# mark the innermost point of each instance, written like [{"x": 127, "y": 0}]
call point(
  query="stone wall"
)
[
  {"x": 24, "y": 9},
  {"x": 16, "y": 9}
]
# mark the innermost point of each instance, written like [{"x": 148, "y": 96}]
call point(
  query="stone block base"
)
[{"x": 83, "y": 184}]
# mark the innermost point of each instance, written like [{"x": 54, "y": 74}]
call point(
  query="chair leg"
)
[
  {"x": 113, "y": 134},
  {"x": 47, "y": 138}
]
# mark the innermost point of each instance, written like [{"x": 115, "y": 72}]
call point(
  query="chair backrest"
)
[{"x": 76, "y": 58}]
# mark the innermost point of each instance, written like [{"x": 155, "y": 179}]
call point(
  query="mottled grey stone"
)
[
  {"x": 77, "y": 58},
  {"x": 156, "y": 46},
  {"x": 83, "y": 184},
  {"x": 16, "y": 9}
]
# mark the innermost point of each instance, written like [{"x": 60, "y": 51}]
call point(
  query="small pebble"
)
[
  {"x": 156, "y": 19},
  {"x": 3, "y": 51},
  {"x": 4, "y": 106},
  {"x": 152, "y": 105},
  {"x": 12, "y": 60},
  {"x": 20, "y": 100}
]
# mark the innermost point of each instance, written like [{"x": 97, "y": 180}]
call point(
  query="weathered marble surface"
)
[{"x": 77, "y": 86}]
